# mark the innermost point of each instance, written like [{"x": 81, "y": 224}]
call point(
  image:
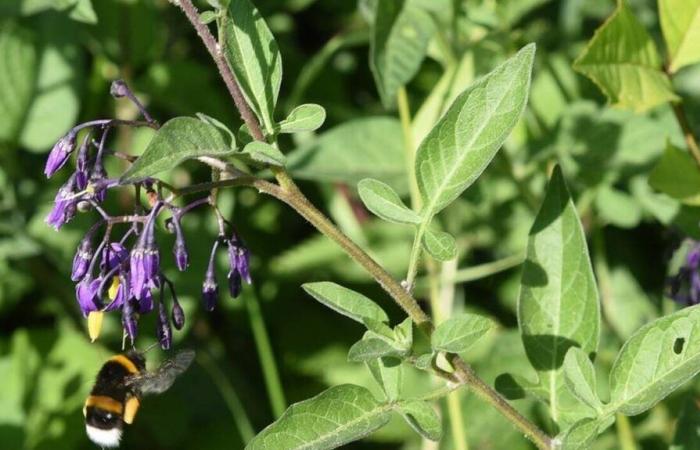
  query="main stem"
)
[{"x": 288, "y": 192}]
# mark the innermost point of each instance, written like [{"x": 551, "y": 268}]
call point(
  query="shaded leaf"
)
[
  {"x": 307, "y": 117},
  {"x": 580, "y": 436},
  {"x": 399, "y": 39},
  {"x": 388, "y": 372},
  {"x": 579, "y": 375},
  {"x": 252, "y": 52},
  {"x": 439, "y": 244},
  {"x": 421, "y": 416},
  {"x": 677, "y": 175},
  {"x": 687, "y": 435},
  {"x": 656, "y": 360},
  {"x": 464, "y": 141},
  {"x": 622, "y": 60},
  {"x": 265, "y": 153},
  {"x": 371, "y": 347},
  {"x": 18, "y": 69},
  {"x": 457, "y": 334},
  {"x": 178, "y": 140},
  {"x": 680, "y": 23},
  {"x": 385, "y": 203},
  {"x": 333, "y": 418},
  {"x": 346, "y": 302}
]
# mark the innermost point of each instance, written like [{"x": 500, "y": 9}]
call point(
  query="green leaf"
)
[
  {"x": 656, "y": 360},
  {"x": 388, "y": 372},
  {"x": 687, "y": 436},
  {"x": 580, "y": 436},
  {"x": 207, "y": 17},
  {"x": 617, "y": 207},
  {"x": 385, "y": 203},
  {"x": 218, "y": 124},
  {"x": 265, "y": 153},
  {"x": 307, "y": 117},
  {"x": 459, "y": 333},
  {"x": 371, "y": 347},
  {"x": 579, "y": 375},
  {"x": 424, "y": 361},
  {"x": 18, "y": 67},
  {"x": 623, "y": 61},
  {"x": 335, "y": 417},
  {"x": 252, "y": 52},
  {"x": 680, "y": 23},
  {"x": 421, "y": 416},
  {"x": 403, "y": 333},
  {"x": 346, "y": 302},
  {"x": 677, "y": 175},
  {"x": 83, "y": 11},
  {"x": 464, "y": 141},
  {"x": 558, "y": 307},
  {"x": 178, "y": 140},
  {"x": 399, "y": 39},
  {"x": 370, "y": 147},
  {"x": 439, "y": 244}
]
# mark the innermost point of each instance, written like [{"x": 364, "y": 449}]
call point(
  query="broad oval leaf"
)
[
  {"x": 307, "y": 117},
  {"x": 579, "y": 375},
  {"x": 372, "y": 347},
  {"x": 677, "y": 175},
  {"x": 657, "y": 359},
  {"x": 439, "y": 244},
  {"x": 459, "y": 333},
  {"x": 345, "y": 301},
  {"x": 622, "y": 60},
  {"x": 421, "y": 416},
  {"x": 333, "y": 418},
  {"x": 466, "y": 139},
  {"x": 400, "y": 34},
  {"x": 558, "y": 306},
  {"x": 179, "y": 139},
  {"x": 680, "y": 23},
  {"x": 385, "y": 203},
  {"x": 370, "y": 147},
  {"x": 265, "y": 153},
  {"x": 252, "y": 53}
]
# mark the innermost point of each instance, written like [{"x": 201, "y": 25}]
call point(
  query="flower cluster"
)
[
  {"x": 124, "y": 274},
  {"x": 684, "y": 287}
]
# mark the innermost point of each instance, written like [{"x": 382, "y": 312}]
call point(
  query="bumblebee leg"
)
[{"x": 130, "y": 408}]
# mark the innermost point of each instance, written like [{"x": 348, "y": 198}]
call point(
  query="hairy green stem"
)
[{"x": 266, "y": 355}]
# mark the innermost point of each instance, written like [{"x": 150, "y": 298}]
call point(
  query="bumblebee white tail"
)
[{"x": 104, "y": 438}]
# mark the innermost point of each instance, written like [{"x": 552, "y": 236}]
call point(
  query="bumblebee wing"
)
[{"x": 160, "y": 380}]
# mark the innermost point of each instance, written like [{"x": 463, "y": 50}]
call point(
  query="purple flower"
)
[
  {"x": 83, "y": 257},
  {"x": 165, "y": 333},
  {"x": 210, "y": 288},
  {"x": 86, "y": 294},
  {"x": 59, "y": 153},
  {"x": 65, "y": 205},
  {"x": 81, "y": 172},
  {"x": 239, "y": 265},
  {"x": 113, "y": 256},
  {"x": 684, "y": 287},
  {"x": 145, "y": 259},
  {"x": 180, "y": 250},
  {"x": 146, "y": 302}
]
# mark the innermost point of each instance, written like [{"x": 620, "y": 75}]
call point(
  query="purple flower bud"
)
[
  {"x": 180, "y": 250},
  {"x": 178, "y": 314},
  {"x": 81, "y": 172},
  {"x": 118, "y": 89},
  {"x": 86, "y": 294},
  {"x": 64, "y": 208},
  {"x": 113, "y": 255},
  {"x": 98, "y": 178},
  {"x": 239, "y": 265},
  {"x": 210, "y": 288},
  {"x": 146, "y": 302},
  {"x": 145, "y": 258},
  {"x": 83, "y": 257},
  {"x": 165, "y": 333},
  {"x": 129, "y": 321},
  {"x": 59, "y": 153},
  {"x": 234, "y": 283}
]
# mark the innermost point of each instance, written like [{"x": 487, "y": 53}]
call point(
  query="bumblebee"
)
[{"x": 121, "y": 383}]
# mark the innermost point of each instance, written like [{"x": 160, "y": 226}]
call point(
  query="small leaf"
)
[
  {"x": 558, "y": 307},
  {"x": 265, "y": 153},
  {"x": 403, "y": 333},
  {"x": 346, "y": 302},
  {"x": 623, "y": 61},
  {"x": 421, "y": 416},
  {"x": 655, "y": 361},
  {"x": 371, "y": 347},
  {"x": 244, "y": 135},
  {"x": 424, "y": 361},
  {"x": 579, "y": 375},
  {"x": 208, "y": 17},
  {"x": 252, "y": 53},
  {"x": 385, "y": 203},
  {"x": 680, "y": 23},
  {"x": 307, "y": 117},
  {"x": 388, "y": 372},
  {"x": 399, "y": 38},
  {"x": 459, "y": 333},
  {"x": 379, "y": 328},
  {"x": 677, "y": 175},
  {"x": 580, "y": 435},
  {"x": 466, "y": 139},
  {"x": 439, "y": 244},
  {"x": 179, "y": 139},
  {"x": 335, "y": 417}
]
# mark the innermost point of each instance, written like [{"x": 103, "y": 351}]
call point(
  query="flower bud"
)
[{"x": 59, "y": 153}]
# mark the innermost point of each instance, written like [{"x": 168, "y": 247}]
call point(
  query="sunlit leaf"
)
[
  {"x": 439, "y": 244},
  {"x": 384, "y": 202},
  {"x": 307, "y": 117},
  {"x": 579, "y": 375},
  {"x": 421, "y": 416},
  {"x": 458, "y": 333},
  {"x": 346, "y": 302},
  {"x": 680, "y": 23},
  {"x": 265, "y": 153}
]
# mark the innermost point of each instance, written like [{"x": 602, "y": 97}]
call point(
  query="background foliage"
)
[{"x": 57, "y": 59}]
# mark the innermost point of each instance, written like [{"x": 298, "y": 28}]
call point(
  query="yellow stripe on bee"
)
[
  {"x": 132, "y": 406},
  {"x": 105, "y": 403},
  {"x": 126, "y": 362}
]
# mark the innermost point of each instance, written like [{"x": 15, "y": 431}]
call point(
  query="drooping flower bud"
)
[
  {"x": 81, "y": 171},
  {"x": 239, "y": 265},
  {"x": 210, "y": 288},
  {"x": 178, "y": 314},
  {"x": 145, "y": 259},
  {"x": 180, "y": 250},
  {"x": 165, "y": 333},
  {"x": 83, "y": 257},
  {"x": 129, "y": 321},
  {"x": 65, "y": 205},
  {"x": 59, "y": 153},
  {"x": 86, "y": 294},
  {"x": 118, "y": 89}
]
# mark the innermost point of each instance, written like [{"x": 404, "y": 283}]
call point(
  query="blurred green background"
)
[{"x": 57, "y": 59}]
